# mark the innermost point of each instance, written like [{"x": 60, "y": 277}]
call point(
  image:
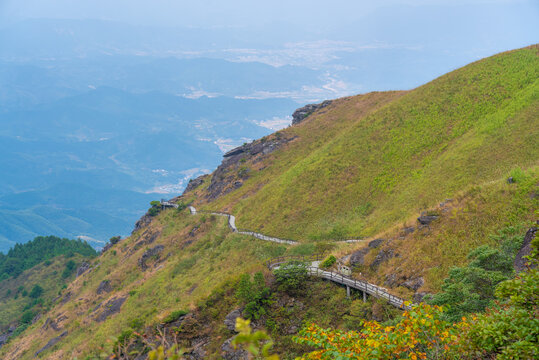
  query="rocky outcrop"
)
[
  {"x": 153, "y": 252},
  {"x": 141, "y": 223},
  {"x": 83, "y": 268},
  {"x": 194, "y": 183},
  {"x": 302, "y": 113},
  {"x": 229, "y": 353},
  {"x": 104, "y": 287},
  {"x": 230, "y": 175},
  {"x": 426, "y": 219},
  {"x": 382, "y": 256},
  {"x": 521, "y": 263},
  {"x": 358, "y": 257},
  {"x": 111, "y": 307},
  {"x": 51, "y": 343},
  {"x": 375, "y": 243},
  {"x": 414, "y": 283},
  {"x": 230, "y": 319}
]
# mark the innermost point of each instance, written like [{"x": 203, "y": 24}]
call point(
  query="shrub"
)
[
  {"x": 173, "y": 316},
  {"x": 36, "y": 291},
  {"x": 291, "y": 276},
  {"x": 255, "y": 295},
  {"x": 328, "y": 262},
  {"x": 471, "y": 288},
  {"x": 70, "y": 267},
  {"x": 153, "y": 211},
  {"x": 27, "y": 317}
]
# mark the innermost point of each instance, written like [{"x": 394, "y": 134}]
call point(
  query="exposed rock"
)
[
  {"x": 66, "y": 297},
  {"x": 414, "y": 283},
  {"x": 510, "y": 180},
  {"x": 390, "y": 280},
  {"x": 229, "y": 353},
  {"x": 408, "y": 230},
  {"x": 110, "y": 308},
  {"x": 3, "y": 339},
  {"x": 50, "y": 323},
  {"x": 197, "y": 348},
  {"x": 293, "y": 329},
  {"x": 104, "y": 287},
  {"x": 426, "y": 219},
  {"x": 141, "y": 223},
  {"x": 83, "y": 268},
  {"x": 224, "y": 178},
  {"x": 375, "y": 243},
  {"x": 194, "y": 183},
  {"x": 382, "y": 256},
  {"x": 302, "y": 113},
  {"x": 418, "y": 296},
  {"x": 153, "y": 252},
  {"x": 36, "y": 318},
  {"x": 146, "y": 238},
  {"x": 521, "y": 262},
  {"x": 358, "y": 257},
  {"x": 193, "y": 231},
  {"x": 51, "y": 343},
  {"x": 230, "y": 319}
]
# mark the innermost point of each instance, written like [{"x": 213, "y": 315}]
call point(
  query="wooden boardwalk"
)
[
  {"x": 310, "y": 261},
  {"x": 363, "y": 286}
]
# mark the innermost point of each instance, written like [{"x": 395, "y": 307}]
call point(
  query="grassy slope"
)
[
  {"x": 190, "y": 273},
  {"x": 49, "y": 277},
  {"x": 354, "y": 173},
  {"x": 400, "y": 152}
]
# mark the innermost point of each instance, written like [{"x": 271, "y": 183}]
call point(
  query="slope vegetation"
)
[
  {"x": 370, "y": 161},
  {"x": 364, "y": 166}
]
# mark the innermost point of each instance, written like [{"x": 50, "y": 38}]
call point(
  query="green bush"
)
[
  {"x": 153, "y": 211},
  {"x": 328, "y": 262},
  {"x": 36, "y": 292},
  {"x": 155, "y": 203},
  {"x": 471, "y": 288},
  {"x": 255, "y": 295},
  {"x": 291, "y": 276},
  {"x": 173, "y": 316},
  {"x": 70, "y": 267}
]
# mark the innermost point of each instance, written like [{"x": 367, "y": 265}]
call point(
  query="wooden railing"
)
[{"x": 368, "y": 288}]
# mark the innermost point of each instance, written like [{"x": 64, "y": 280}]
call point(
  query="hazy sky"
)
[{"x": 205, "y": 13}]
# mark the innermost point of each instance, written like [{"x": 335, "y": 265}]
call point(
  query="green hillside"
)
[
  {"x": 364, "y": 166},
  {"x": 354, "y": 172},
  {"x": 33, "y": 274}
]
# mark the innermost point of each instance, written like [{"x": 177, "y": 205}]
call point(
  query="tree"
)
[
  {"x": 470, "y": 288},
  {"x": 36, "y": 291}
]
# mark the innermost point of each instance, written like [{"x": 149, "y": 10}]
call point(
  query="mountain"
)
[
  {"x": 139, "y": 145},
  {"x": 398, "y": 187}
]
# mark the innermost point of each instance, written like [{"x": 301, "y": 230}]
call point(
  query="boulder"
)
[
  {"x": 229, "y": 353},
  {"x": 104, "y": 287},
  {"x": 112, "y": 307},
  {"x": 418, "y": 296},
  {"x": 51, "y": 343},
  {"x": 83, "y": 268},
  {"x": 426, "y": 219},
  {"x": 375, "y": 243},
  {"x": 520, "y": 263},
  {"x": 302, "y": 113},
  {"x": 358, "y": 257},
  {"x": 414, "y": 283},
  {"x": 382, "y": 256},
  {"x": 153, "y": 252},
  {"x": 230, "y": 319}
]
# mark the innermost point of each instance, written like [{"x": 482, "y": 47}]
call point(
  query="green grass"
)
[{"x": 359, "y": 168}]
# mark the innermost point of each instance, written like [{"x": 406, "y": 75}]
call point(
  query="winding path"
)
[{"x": 313, "y": 261}]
